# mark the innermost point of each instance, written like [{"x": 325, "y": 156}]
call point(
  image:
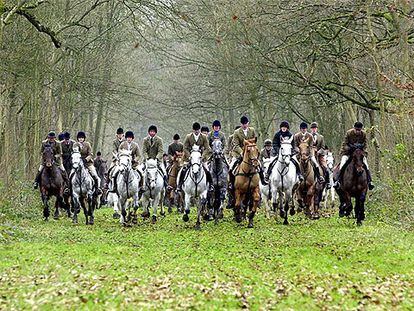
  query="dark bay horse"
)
[
  {"x": 354, "y": 184},
  {"x": 172, "y": 196},
  {"x": 51, "y": 184},
  {"x": 307, "y": 195},
  {"x": 102, "y": 171},
  {"x": 246, "y": 184}
]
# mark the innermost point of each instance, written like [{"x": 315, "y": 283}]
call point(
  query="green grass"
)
[{"x": 329, "y": 263}]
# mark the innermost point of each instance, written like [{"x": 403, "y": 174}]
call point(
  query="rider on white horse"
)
[
  {"x": 282, "y": 134},
  {"x": 200, "y": 140},
  {"x": 152, "y": 149}
]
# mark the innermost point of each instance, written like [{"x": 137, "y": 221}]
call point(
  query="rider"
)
[
  {"x": 216, "y": 133},
  {"x": 354, "y": 136},
  {"x": 205, "y": 130},
  {"x": 266, "y": 152},
  {"x": 199, "y": 139},
  {"x": 283, "y": 133},
  {"x": 304, "y": 136},
  {"x": 319, "y": 148},
  {"x": 152, "y": 149},
  {"x": 85, "y": 150},
  {"x": 67, "y": 149},
  {"x": 175, "y": 148},
  {"x": 57, "y": 152},
  {"x": 229, "y": 146}
]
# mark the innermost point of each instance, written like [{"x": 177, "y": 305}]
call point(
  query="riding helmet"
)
[
  {"x": 152, "y": 128},
  {"x": 81, "y": 135},
  {"x": 98, "y": 154},
  {"x": 314, "y": 125},
  {"x": 216, "y": 123},
  {"x": 120, "y": 131},
  {"x": 196, "y": 126},
  {"x": 176, "y": 137},
  {"x": 66, "y": 135},
  {"x": 244, "y": 120},
  {"x": 267, "y": 142},
  {"x": 358, "y": 125},
  {"x": 303, "y": 125},
  {"x": 51, "y": 134},
  {"x": 205, "y": 129},
  {"x": 61, "y": 136},
  {"x": 284, "y": 124},
  {"x": 129, "y": 134}
]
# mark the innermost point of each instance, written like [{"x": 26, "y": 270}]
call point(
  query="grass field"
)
[{"x": 324, "y": 264}]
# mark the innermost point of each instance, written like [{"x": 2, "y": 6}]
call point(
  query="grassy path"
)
[{"x": 329, "y": 264}]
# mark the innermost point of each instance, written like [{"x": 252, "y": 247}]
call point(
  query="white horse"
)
[
  {"x": 329, "y": 193},
  {"x": 82, "y": 189},
  {"x": 283, "y": 179},
  {"x": 265, "y": 189},
  {"x": 153, "y": 189},
  {"x": 195, "y": 185},
  {"x": 127, "y": 183}
]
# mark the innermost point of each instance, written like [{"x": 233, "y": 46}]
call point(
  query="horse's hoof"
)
[
  {"x": 359, "y": 223},
  {"x": 91, "y": 221},
  {"x": 285, "y": 222},
  {"x": 162, "y": 214},
  {"x": 186, "y": 218},
  {"x": 154, "y": 219},
  {"x": 238, "y": 219},
  {"x": 145, "y": 215},
  {"x": 292, "y": 212},
  {"x": 170, "y": 210},
  {"x": 250, "y": 225},
  {"x": 116, "y": 215},
  {"x": 56, "y": 217},
  {"x": 45, "y": 218},
  {"x": 134, "y": 220},
  {"x": 197, "y": 227},
  {"x": 210, "y": 218},
  {"x": 282, "y": 214}
]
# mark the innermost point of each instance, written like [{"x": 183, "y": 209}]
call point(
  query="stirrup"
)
[
  {"x": 35, "y": 185},
  {"x": 321, "y": 179},
  {"x": 301, "y": 178},
  {"x": 336, "y": 184},
  {"x": 370, "y": 186}
]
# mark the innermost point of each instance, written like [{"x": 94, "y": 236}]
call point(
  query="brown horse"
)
[
  {"x": 172, "y": 196},
  {"x": 307, "y": 191},
  {"x": 51, "y": 184},
  {"x": 354, "y": 184},
  {"x": 246, "y": 184}
]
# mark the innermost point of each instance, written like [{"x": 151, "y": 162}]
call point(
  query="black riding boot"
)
[
  {"x": 370, "y": 185},
  {"x": 298, "y": 172},
  {"x": 37, "y": 180},
  {"x": 181, "y": 179},
  {"x": 317, "y": 173},
  {"x": 269, "y": 170},
  {"x": 98, "y": 190},
  {"x": 66, "y": 181}
]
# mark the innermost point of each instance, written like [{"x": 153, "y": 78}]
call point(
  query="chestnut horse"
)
[
  {"x": 246, "y": 184},
  {"x": 307, "y": 191},
  {"x": 172, "y": 196}
]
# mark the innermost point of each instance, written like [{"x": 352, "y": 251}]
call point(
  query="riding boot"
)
[
  {"x": 318, "y": 174},
  {"x": 98, "y": 190},
  {"x": 298, "y": 172},
  {"x": 337, "y": 182},
  {"x": 181, "y": 179},
  {"x": 269, "y": 170},
  {"x": 37, "y": 180},
  {"x": 66, "y": 181},
  {"x": 370, "y": 185}
]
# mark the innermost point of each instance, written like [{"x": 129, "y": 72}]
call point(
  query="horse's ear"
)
[
  {"x": 245, "y": 142},
  {"x": 290, "y": 139}
]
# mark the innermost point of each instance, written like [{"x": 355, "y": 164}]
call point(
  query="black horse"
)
[
  {"x": 51, "y": 184},
  {"x": 354, "y": 184}
]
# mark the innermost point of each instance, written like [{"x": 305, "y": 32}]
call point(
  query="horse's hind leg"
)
[
  {"x": 199, "y": 211},
  {"x": 237, "y": 208},
  {"x": 46, "y": 212},
  {"x": 91, "y": 209},
  {"x": 255, "y": 200},
  {"x": 57, "y": 203},
  {"x": 187, "y": 200},
  {"x": 85, "y": 211}
]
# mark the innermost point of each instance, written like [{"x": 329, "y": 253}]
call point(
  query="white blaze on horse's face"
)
[
  {"x": 330, "y": 160},
  {"x": 195, "y": 161},
  {"x": 76, "y": 160},
  {"x": 151, "y": 173}
]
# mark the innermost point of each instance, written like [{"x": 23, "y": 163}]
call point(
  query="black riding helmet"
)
[
  {"x": 244, "y": 120},
  {"x": 152, "y": 128},
  {"x": 120, "y": 131},
  {"x": 81, "y": 135},
  {"x": 216, "y": 123},
  {"x": 129, "y": 134},
  {"x": 303, "y": 125},
  {"x": 176, "y": 137},
  {"x": 358, "y": 125},
  {"x": 51, "y": 134},
  {"x": 284, "y": 124},
  {"x": 196, "y": 126}
]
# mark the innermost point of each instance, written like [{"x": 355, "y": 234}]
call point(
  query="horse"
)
[
  {"x": 246, "y": 184},
  {"x": 329, "y": 193},
  {"x": 82, "y": 186},
  {"x": 307, "y": 193},
  {"x": 153, "y": 190},
  {"x": 219, "y": 170},
  {"x": 195, "y": 185},
  {"x": 354, "y": 184},
  {"x": 284, "y": 180},
  {"x": 172, "y": 196},
  {"x": 127, "y": 186},
  {"x": 51, "y": 184},
  {"x": 265, "y": 188},
  {"x": 101, "y": 170}
]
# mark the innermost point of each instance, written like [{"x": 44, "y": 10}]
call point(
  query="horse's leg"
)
[
  {"x": 45, "y": 200},
  {"x": 76, "y": 207},
  {"x": 85, "y": 211},
  {"x": 187, "y": 199},
  {"x": 115, "y": 201},
  {"x": 200, "y": 209},
  {"x": 92, "y": 203},
  {"x": 134, "y": 216},
  {"x": 359, "y": 208},
  {"x": 282, "y": 199},
  {"x": 286, "y": 206},
  {"x": 162, "y": 196},
  {"x": 237, "y": 207},
  {"x": 256, "y": 201},
  {"x": 155, "y": 203},
  {"x": 316, "y": 200},
  {"x": 56, "y": 213}
]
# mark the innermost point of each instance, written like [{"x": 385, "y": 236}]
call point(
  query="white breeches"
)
[{"x": 345, "y": 158}]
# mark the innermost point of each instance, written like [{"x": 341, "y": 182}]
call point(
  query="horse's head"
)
[
  {"x": 195, "y": 160},
  {"x": 48, "y": 157},
  {"x": 251, "y": 152},
  {"x": 125, "y": 159},
  {"x": 151, "y": 173},
  {"x": 266, "y": 163},
  {"x": 304, "y": 151},
  {"x": 76, "y": 159},
  {"x": 330, "y": 160},
  {"x": 285, "y": 151},
  {"x": 217, "y": 147},
  {"x": 358, "y": 161}
]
